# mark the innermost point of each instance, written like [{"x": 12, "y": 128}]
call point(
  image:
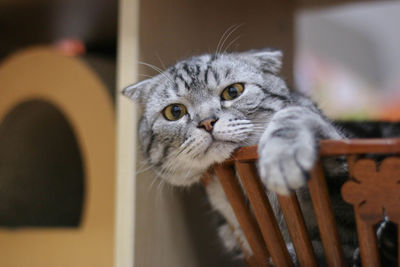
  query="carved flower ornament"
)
[{"x": 375, "y": 190}]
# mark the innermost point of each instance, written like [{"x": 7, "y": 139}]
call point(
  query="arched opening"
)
[{"x": 41, "y": 168}]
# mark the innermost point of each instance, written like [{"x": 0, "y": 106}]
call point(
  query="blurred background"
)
[
  {"x": 58, "y": 179},
  {"x": 32, "y": 22},
  {"x": 87, "y": 29},
  {"x": 348, "y": 59},
  {"x": 57, "y": 132}
]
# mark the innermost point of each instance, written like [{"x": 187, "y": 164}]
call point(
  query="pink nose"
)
[{"x": 207, "y": 124}]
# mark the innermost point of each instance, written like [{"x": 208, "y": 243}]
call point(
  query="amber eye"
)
[
  {"x": 232, "y": 91},
  {"x": 174, "y": 112}
]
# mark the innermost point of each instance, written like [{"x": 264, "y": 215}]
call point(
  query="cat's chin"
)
[
  {"x": 181, "y": 180},
  {"x": 193, "y": 170},
  {"x": 219, "y": 151}
]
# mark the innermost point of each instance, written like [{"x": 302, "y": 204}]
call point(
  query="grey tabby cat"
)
[{"x": 197, "y": 112}]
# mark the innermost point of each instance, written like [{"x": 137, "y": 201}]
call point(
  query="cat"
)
[{"x": 197, "y": 112}]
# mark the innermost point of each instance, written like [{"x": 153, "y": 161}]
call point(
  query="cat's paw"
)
[
  {"x": 284, "y": 166},
  {"x": 231, "y": 241}
]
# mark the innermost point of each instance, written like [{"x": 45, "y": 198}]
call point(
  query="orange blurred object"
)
[
  {"x": 71, "y": 47},
  {"x": 391, "y": 113}
]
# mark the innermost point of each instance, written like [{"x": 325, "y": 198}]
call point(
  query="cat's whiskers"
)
[
  {"x": 167, "y": 168},
  {"x": 188, "y": 149},
  {"x": 188, "y": 173},
  {"x": 143, "y": 163},
  {"x": 169, "y": 163},
  {"x": 222, "y": 37},
  {"x": 231, "y": 43},
  {"x": 145, "y": 75},
  {"x": 217, "y": 148},
  {"x": 159, "y": 190},
  {"x": 185, "y": 145},
  {"x": 142, "y": 170},
  {"x": 164, "y": 169},
  {"x": 181, "y": 149},
  {"x": 144, "y": 166},
  {"x": 161, "y": 62},
  {"x": 192, "y": 150},
  {"x": 231, "y": 31},
  {"x": 155, "y": 179},
  {"x": 261, "y": 129},
  {"x": 158, "y": 70}
]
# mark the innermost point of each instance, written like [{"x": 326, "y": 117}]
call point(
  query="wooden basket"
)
[{"x": 373, "y": 190}]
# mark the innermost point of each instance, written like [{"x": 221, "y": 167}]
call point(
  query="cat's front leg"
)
[
  {"x": 288, "y": 148},
  {"x": 230, "y": 232}
]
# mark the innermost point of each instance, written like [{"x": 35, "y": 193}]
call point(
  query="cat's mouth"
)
[
  {"x": 218, "y": 151},
  {"x": 215, "y": 143}
]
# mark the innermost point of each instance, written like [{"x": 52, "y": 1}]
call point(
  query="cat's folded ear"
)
[
  {"x": 269, "y": 60},
  {"x": 136, "y": 90}
]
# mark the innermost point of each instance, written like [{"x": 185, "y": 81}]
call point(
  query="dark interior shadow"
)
[{"x": 41, "y": 168}]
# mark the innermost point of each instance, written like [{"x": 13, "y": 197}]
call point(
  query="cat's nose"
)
[{"x": 208, "y": 124}]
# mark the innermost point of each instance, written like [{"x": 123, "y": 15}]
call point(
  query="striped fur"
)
[{"x": 286, "y": 126}]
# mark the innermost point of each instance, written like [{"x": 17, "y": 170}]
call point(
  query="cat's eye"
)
[
  {"x": 232, "y": 91},
  {"x": 174, "y": 112}
]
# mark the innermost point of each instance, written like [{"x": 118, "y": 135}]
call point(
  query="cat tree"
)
[{"x": 67, "y": 90}]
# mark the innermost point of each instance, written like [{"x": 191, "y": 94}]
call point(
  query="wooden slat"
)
[
  {"x": 368, "y": 243},
  {"x": 325, "y": 218},
  {"x": 297, "y": 230},
  {"x": 251, "y": 261},
  {"x": 264, "y": 214},
  {"x": 320, "y": 196},
  {"x": 366, "y": 232},
  {"x": 333, "y": 148},
  {"x": 243, "y": 154},
  {"x": 359, "y": 146},
  {"x": 234, "y": 193}
]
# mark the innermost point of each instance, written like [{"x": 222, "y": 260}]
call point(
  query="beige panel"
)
[
  {"x": 69, "y": 85},
  {"x": 126, "y": 134}
]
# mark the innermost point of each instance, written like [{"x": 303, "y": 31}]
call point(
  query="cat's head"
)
[{"x": 197, "y": 112}]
